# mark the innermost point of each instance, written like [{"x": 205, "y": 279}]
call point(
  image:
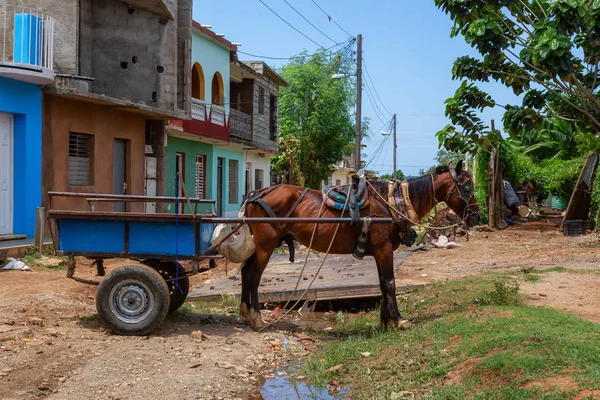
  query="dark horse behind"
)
[{"x": 454, "y": 186}]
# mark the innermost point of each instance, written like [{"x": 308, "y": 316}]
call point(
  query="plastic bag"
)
[
  {"x": 238, "y": 247},
  {"x": 16, "y": 265}
]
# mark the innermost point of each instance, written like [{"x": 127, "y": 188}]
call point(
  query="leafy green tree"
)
[
  {"x": 546, "y": 51},
  {"x": 399, "y": 176},
  {"x": 318, "y": 112}
]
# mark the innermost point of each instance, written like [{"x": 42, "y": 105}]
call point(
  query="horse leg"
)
[
  {"x": 248, "y": 269},
  {"x": 390, "y": 316}
]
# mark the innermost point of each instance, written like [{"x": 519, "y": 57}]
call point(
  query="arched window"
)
[
  {"x": 198, "y": 82},
  {"x": 218, "y": 90}
]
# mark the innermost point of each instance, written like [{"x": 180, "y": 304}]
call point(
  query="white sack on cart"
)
[{"x": 238, "y": 247}]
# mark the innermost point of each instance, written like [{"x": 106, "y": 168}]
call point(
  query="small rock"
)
[
  {"x": 365, "y": 354},
  {"x": 62, "y": 379},
  {"x": 402, "y": 395},
  {"x": 212, "y": 288},
  {"x": 580, "y": 304},
  {"x": 302, "y": 336},
  {"x": 198, "y": 335},
  {"x": 281, "y": 373},
  {"x": 424, "y": 275},
  {"x": 224, "y": 365},
  {"x": 227, "y": 349},
  {"x": 256, "y": 396},
  {"x": 336, "y": 368},
  {"x": 328, "y": 329},
  {"x": 44, "y": 386},
  {"x": 8, "y": 322},
  {"x": 196, "y": 365},
  {"x": 36, "y": 321},
  {"x": 320, "y": 277}
]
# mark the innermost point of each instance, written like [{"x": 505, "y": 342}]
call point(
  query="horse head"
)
[{"x": 455, "y": 187}]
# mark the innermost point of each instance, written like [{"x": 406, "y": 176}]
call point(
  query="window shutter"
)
[
  {"x": 80, "y": 152},
  {"x": 233, "y": 181},
  {"x": 200, "y": 177},
  {"x": 258, "y": 178}
]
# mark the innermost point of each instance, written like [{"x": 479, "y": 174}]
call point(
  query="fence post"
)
[{"x": 40, "y": 228}]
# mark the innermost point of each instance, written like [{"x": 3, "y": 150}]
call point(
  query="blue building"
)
[{"x": 25, "y": 66}]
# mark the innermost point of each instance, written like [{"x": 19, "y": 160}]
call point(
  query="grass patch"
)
[
  {"x": 207, "y": 312},
  {"x": 473, "y": 340},
  {"x": 46, "y": 259}
]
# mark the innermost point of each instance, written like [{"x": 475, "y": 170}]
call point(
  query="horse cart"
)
[{"x": 135, "y": 298}]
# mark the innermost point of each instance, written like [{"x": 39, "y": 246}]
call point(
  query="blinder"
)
[{"x": 465, "y": 192}]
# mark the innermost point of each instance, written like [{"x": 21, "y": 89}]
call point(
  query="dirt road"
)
[{"x": 53, "y": 345}]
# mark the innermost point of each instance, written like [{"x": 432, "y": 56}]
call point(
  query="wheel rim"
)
[{"x": 131, "y": 301}]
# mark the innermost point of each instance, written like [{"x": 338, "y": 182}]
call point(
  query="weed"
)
[
  {"x": 532, "y": 278},
  {"x": 504, "y": 294}
]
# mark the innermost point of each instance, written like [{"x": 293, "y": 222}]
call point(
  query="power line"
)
[
  {"x": 296, "y": 57},
  {"x": 373, "y": 86},
  {"x": 290, "y": 25},
  {"x": 330, "y": 18},
  {"x": 311, "y": 24},
  {"x": 372, "y": 101}
]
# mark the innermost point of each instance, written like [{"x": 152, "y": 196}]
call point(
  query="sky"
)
[{"x": 407, "y": 50}]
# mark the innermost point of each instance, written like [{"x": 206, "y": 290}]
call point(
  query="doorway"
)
[
  {"x": 6, "y": 174},
  {"x": 220, "y": 185},
  {"x": 120, "y": 174}
]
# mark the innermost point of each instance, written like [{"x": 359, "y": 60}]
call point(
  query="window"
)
[
  {"x": 338, "y": 182},
  {"x": 80, "y": 159},
  {"x": 200, "y": 176},
  {"x": 233, "y": 181},
  {"x": 261, "y": 100},
  {"x": 259, "y": 176},
  {"x": 248, "y": 178},
  {"x": 218, "y": 93},
  {"x": 198, "y": 82}
]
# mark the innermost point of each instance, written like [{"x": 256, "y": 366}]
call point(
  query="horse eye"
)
[{"x": 467, "y": 187}]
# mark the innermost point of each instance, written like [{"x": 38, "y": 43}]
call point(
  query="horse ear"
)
[{"x": 459, "y": 168}]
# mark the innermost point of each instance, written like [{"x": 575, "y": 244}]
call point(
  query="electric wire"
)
[
  {"x": 331, "y": 18},
  {"x": 290, "y": 25},
  {"x": 373, "y": 86},
  {"x": 298, "y": 57},
  {"x": 311, "y": 24}
]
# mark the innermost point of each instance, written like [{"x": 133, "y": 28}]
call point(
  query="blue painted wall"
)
[
  {"x": 24, "y": 101},
  {"x": 229, "y": 209}
]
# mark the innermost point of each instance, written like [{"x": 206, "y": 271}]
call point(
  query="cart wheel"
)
[
  {"x": 166, "y": 269},
  {"x": 133, "y": 300}
]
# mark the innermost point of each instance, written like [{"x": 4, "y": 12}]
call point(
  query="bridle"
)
[{"x": 465, "y": 192}]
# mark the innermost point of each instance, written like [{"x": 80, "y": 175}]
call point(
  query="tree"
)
[
  {"x": 399, "y": 176},
  {"x": 318, "y": 112},
  {"x": 443, "y": 157},
  {"x": 546, "y": 51}
]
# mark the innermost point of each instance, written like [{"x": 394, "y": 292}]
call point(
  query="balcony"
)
[
  {"x": 209, "y": 121},
  {"x": 26, "y": 45},
  {"x": 240, "y": 126}
]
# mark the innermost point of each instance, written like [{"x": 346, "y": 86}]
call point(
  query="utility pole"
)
[
  {"x": 357, "y": 151},
  {"x": 394, "y": 173}
]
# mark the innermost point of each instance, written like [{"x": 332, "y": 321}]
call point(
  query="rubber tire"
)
[
  {"x": 166, "y": 269},
  {"x": 158, "y": 289}
]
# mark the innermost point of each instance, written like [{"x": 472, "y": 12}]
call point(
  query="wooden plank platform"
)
[{"x": 342, "y": 277}]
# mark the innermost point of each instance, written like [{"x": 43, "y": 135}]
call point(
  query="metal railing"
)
[
  {"x": 26, "y": 36},
  {"x": 240, "y": 125},
  {"x": 217, "y": 115},
  {"x": 198, "y": 109}
]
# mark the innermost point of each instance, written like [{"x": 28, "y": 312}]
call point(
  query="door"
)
[
  {"x": 248, "y": 179},
  {"x": 220, "y": 185},
  {"x": 6, "y": 174},
  {"x": 120, "y": 175},
  {"x": 180, "y": 170}
]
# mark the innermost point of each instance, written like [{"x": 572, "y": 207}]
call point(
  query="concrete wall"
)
[
  {"x": 66, "y": 16},
  {"x": 105, "y": 123},
  {"x": 24, "y": 102},
  {"x": 190, "y": 148},
  {"x": 261, "y": 121},
  {"x": 213, "y": 58}
]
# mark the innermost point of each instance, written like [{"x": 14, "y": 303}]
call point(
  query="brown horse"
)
[{"x": 453, "y": 186}]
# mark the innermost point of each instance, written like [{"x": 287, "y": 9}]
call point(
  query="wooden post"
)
[
  {"x": 40, "y": 228},
  {"x": 492, "y": 189}
]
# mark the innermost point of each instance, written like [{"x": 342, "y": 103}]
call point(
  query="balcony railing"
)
[
  {"x": 217, "y": 115},
  {"x": 26, "y": 37},
  {"x": 198, "y": 109},
  {"x": 240, "y": 125}
]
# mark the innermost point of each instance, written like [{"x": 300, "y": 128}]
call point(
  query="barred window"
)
[
  {"x": 80, "y": 159},
  {"x": 233, "y": 181}
]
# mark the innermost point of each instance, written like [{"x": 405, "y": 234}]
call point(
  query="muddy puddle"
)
[{"x": 285, "y": 388}]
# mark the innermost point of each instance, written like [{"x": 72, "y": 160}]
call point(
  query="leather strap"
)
[
  {"x": 409, "y": 207},
  {"x": 392, "y": 201}
]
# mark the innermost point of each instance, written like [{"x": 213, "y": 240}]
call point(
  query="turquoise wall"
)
[
  {"x": 190, "y": 148},
  {"x": 228, "y": 154},
  {"x": 212, "y": 58}
]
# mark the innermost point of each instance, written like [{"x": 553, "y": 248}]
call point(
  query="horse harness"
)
[{"x": 257, "y": 197}]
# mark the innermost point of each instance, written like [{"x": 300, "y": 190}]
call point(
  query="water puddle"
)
[{"x": 284, "y": 388}]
